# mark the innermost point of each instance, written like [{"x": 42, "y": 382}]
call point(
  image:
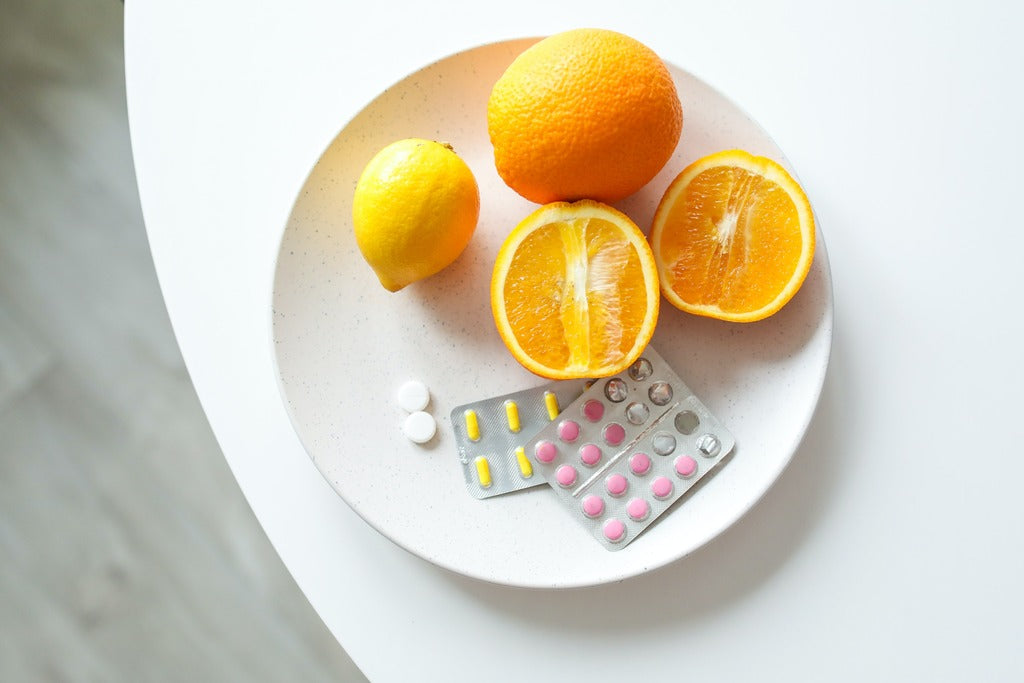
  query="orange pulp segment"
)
[
  {"x": 575, "y": 291},
  {"x": 733, "y": 237}
]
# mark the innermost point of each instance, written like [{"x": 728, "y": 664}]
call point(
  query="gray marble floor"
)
[{"x": 127, "y": 552}]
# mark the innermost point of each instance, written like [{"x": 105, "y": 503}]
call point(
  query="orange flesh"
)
[
  {"x": 575, "y": 295},
  {"x": 734, "y": 241}
]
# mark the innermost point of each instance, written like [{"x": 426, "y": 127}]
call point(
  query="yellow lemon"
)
[{"x": 415, "y": 208}]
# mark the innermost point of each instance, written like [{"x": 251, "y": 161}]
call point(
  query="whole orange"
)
[{"x": 587, "y": 113}]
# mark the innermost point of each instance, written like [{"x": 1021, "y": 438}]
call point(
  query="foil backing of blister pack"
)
[
  {"x": 491, "y": 434},
  {"x": 628, "y": 448}
]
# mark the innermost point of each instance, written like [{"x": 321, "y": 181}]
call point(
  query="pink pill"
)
[
  {"x": 685, "y": 466},
  {"x": 593, "y": 506},
  {"x": 593, "y": 410},
  {"x": 568, "y": 431},
  {"x": 662, "y": 488},
  {"x": 545, "y": 452},
  {"x": 614, "y": 434},
  {"x": 616, "y": 484},
  {"x": 640, "y": 463},
  {"x": 565, "y": 475},
  {"x": 638, "y": 509},
  {"x": 590, "y": 454},
  {"x": 614, "y": 530}
]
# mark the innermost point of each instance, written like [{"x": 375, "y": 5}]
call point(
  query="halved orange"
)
[
  {"x": 575, "y": 291},
  {"x": 733, "y": 237}
]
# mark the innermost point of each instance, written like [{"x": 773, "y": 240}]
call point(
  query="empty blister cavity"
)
[
  {"x": 660, "y": 393},
  {"x": 663, "y": 443},
  {"x": 641, "y": 370},
  {"x": 615, "y": 390},
  {"x": 709, "y": 445},
  {"x": 686, "y": 422},
  {"x": 637, "y": 413}
]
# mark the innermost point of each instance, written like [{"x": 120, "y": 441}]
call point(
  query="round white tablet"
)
[
  {"x": 413, "y": 396},
  {"x": 419, "y": 427}
]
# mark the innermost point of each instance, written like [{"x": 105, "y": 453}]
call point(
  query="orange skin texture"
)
[{"x": 586, "y": 113}]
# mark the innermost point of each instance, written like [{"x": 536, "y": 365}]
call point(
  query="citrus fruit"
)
[
  {"x": 575, "y": 291},
  {"x": 586, "y": 113},
  {"x": 733, "y": 237},
  {"x": 415, "y": 208}
]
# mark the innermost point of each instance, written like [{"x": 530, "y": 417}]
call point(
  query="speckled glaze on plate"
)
[{"x": 343, "y": 346}]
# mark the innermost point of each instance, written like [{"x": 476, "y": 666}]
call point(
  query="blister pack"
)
[
  {"x": 629, "y": 447},
  {"x": 490, "y": 435}
]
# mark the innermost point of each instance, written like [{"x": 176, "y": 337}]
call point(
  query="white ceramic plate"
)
[{"x": 344, "y": 345}]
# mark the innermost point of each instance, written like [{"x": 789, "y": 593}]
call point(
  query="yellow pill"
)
[
  {"x": 551, "y": 401},
  {"x": 512, "y": 413},
  {"x": 472, "y": 425},
  {"x": 483, "y": 471},
  {"x": 525, "y": 468}
]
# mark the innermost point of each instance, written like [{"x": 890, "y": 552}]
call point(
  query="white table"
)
[{"x": 890, "y": 549}]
